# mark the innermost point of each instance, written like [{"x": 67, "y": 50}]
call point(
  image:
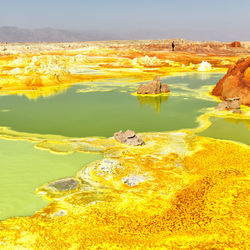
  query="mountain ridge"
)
[{"x": 12, "y": 34}]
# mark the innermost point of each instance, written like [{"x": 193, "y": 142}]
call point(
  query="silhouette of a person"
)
[{"x": 173, "y": 45}]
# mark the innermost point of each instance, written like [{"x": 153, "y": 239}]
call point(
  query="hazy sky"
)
[{"x": 192, "y": 19}]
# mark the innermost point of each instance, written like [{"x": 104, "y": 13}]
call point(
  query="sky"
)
[{"x": 223, "y": 20}]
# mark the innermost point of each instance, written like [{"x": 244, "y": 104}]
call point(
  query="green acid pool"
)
[
  {"x": 23, "y": 168},
  {"x": 101, "y": 113}
]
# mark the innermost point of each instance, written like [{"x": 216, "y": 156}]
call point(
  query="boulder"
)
[
  {"x": 154, "y": 87},
  {"x": 236, "y": 83},
  {"x": 129, "y": 137},
  {"x": 63, "y": 185},
  {"x": 164, "y": 88},
  {"x": 230, "y": 104}
]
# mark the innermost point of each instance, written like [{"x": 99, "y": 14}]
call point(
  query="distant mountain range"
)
[{"x": 14, "y": 34}]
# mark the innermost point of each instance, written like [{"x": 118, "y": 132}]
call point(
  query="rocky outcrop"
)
[
  {"x": 230, "y": 104},
  {"x": 235, "y": 44},
  {"x": 154, "y": 87},
  {"x": 129, "y": 137},
  {"x": 236, "y": 83},
  {"x": 63, "y": 185}
]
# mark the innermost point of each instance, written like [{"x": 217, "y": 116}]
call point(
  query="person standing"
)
[{"x": 173, "y": 45}]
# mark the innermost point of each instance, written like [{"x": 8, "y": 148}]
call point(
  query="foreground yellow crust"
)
[{"x": 193, "y": 193}]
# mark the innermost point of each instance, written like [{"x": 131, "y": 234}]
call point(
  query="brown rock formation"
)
[
  {"x": 129, "y": 137},
  {"x": 230, "y": 104},
  {"x": 154, "y": 87},
  {"x": 236, "y": 83},
  {"x": 235, "y": 44}
]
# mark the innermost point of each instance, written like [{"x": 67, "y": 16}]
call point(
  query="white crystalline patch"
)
[
  {"x": 146, "y": 60},
  {"x": 204, "y": 66},
  {"x": 108, "y": 166},
  {"x": 13, "y": 71},
  {"x": 133, "y": 180},
  {"x": 60, "y": 213},
  {"x": 180, "y": 134}
]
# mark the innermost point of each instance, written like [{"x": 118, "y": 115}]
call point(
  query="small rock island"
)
[
  {"x": 129, "y": 137},
  {"x": 153, "y": 88}
]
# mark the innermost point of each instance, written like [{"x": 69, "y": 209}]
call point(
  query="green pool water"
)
[
  {"x": 98, "y": 109},
  {"x": 97, "y": 113},
  {"x": 23, "y": 168},
  {"x": 229, "y": 129}
]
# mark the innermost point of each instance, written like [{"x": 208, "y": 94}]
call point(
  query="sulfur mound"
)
[
  {"x": 154, "y": 87},
  {"x": 236, "y": 83}
]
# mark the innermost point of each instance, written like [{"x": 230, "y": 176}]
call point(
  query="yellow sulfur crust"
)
[{"x": 194, "y": 195}]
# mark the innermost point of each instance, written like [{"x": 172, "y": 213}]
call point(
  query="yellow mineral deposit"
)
[
  {"x": 178, "y": 191},
  {"x": 170, "y": 193},
  {"x": 22, "y": 71}
]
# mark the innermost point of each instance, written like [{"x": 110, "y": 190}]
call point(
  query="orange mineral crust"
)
[
  {"x": 176, "y": 191},
  {"x": 236, "y": 83}
]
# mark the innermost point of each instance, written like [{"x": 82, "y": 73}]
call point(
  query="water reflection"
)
[
  {"x": 229, "y": 129},
  {"x": 154, "y": 101},
  {"x": 239, "y": 121},
  {"x": 38, "y": 92}
]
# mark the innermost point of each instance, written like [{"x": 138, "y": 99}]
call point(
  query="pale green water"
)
[
  {"x": 23, "y": 168},
  {"x": 103, "y": 113},
  {"x": 229, "y": 129}
]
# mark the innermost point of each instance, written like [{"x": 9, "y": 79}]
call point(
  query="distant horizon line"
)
[{"x": 95, "y": 35}]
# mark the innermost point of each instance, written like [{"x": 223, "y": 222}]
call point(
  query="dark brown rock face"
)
[
  {"x": 154, "y": 87},
  {"x": 129, "y": 137},
  {"x": 236, "y": 83}
]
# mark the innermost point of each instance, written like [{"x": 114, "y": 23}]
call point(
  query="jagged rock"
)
[
  {"x": 133, "y": 180},
  {"x": 221, "y": 106},
  {"x": 233, "y": 103},
  {"x": 64, "y": 185},
  {"x": 235, "y": 44},
  {"x": 129, "y": 137},
  {"x": 230, "y": 104},
  {"x": 154, "y": 87},
  {"x": 236, "y": 83},
  {"x": 164, "y": 88}
]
